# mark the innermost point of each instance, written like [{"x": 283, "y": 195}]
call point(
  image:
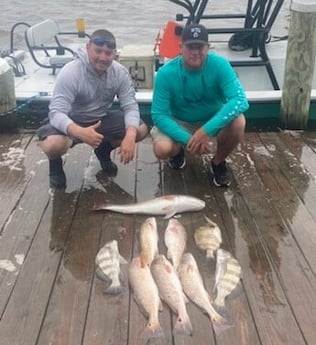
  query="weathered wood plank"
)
[
  {"x": 273, "y": 277},
  {"x": 107, "y": 318},
  {"x": 18, "y": 158},
  {"x": 66, "y": 311},
  {"x": 19, "y": 231},
  {"x": 305, "y": 172},
  {"x": 27, "y": 304},
  {"x": 267, "y": 220},
  {"x": 293, "y": 180},
  {"x": 176, "y": 182},
  {"x": 310, "y": 139},
  {"x": 148, "y": 186},
  {"x": 218, "y": 209}
]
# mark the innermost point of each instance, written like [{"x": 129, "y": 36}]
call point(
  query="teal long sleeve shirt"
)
[{"x": 213, "y": 96}]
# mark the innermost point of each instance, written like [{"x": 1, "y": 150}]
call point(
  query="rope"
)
[
  {"x": 16, "y": 64},
  {"x": 20, "y": 107}
]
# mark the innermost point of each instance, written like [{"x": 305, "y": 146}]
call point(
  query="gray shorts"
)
[
  {"x": 191, "y": 127},
  {"x": 112, "y": 127}
]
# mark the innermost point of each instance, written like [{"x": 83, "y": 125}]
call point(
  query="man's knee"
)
[
  {"x": 142, "y": 132},
  {"x": 239, "y": 124},
  {"x": 236, "y": 128},
  {"x": 165, "y": 149},
  {"x": 55, "y": 146}
]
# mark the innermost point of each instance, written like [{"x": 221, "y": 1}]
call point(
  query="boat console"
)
[{"x": 253, "y": 34}]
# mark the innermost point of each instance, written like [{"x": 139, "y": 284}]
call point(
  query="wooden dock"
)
[{"x": 50, "y": 295}]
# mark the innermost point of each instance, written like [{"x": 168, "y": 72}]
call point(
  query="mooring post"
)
[
  {"x": 299, "y": 66},
  {"x": 7, "y": 97}
]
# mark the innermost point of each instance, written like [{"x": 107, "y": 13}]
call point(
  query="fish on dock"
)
[
  {"x": 108, "y": 262},
  {"x": 146, "y": 295},
  {"x": 208, "y": 237},
  {"x": 227, "y": 277},
  {"x": 193, "y": 287},
  {"x": 148, "y": 241},
  {"x": 176, "y": 241},
  {"x": 167, "y": 205},
  {"x": 170, "y": 290}
]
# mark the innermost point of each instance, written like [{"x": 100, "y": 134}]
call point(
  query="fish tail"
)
[
  {"x": 220, "y": 327},
  {"x": 183, "y": 325},
  {"x": 222, "y": 310},
  {"x": 210, "y": 253},
  {"x": 114, "y": 290},
  {"x": 152, "y": 330}
]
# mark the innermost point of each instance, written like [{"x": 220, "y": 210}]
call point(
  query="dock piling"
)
[{"x": 299, "y": 66}]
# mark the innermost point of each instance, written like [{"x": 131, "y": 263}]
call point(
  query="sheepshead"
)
[
  {"x": 227, "y": 277},
  {"x": 108, "y": 262},
  {"x": 167, "y": 206},
  {"x": 146, "y": 294},
  {"x": 193, "y": 287},
  {"x": 148, "y": 240},
  {"x": 208, "y": 237},
  {"x": 175, "y": 240},
  {"x": 170, "y": 290}
]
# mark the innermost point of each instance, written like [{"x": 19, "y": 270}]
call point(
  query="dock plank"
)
[
  {"x": 269, "y": 228},
  {"x": 19, "y": 156},
  {"x": 37, "y": 275},
  {"x": 289, "y": 195},
  {"x": 219, "y": 209},
  {"x": 66, "y": 310},
  {"x": 107, "y": 319},
  {"x": 176, "y": 182},
  {"x": 266, "y": 216},
  {"x": 148, "y": 186}
]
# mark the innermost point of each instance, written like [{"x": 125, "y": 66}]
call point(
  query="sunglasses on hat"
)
[{"x": 99, "y": 41}]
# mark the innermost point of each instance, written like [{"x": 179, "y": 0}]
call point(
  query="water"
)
[{"x": 131, "y": 21}]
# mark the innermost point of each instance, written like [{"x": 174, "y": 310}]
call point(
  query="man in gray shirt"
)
[{"x": 80, "y": 109}]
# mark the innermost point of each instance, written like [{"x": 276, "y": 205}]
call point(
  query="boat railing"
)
[{"x": 253, "y": 34}]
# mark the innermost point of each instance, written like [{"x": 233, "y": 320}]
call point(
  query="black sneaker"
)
[
  {"x": 109, "y": 167},
  {"x": 221, "y": 175},
  {"x": 57, "y": 177},
  {"x": 178, "y": 161},
  {"x": 103, "y": 154}
]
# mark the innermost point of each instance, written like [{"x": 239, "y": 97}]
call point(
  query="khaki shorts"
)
[{"x": 191, "y": 127}]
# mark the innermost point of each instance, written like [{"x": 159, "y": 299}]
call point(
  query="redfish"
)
[
  {"x": 175, "y": 240},
  {"x": 193, "y": 287},
  {"x": 167, "y": 206},
  {"x": 146, "y": 294},
  {"x": 170, "y": 290},
  {"x": 148, "y": 241}
]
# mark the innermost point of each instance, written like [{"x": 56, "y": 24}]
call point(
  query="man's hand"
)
[
  {"x": 127, "y": 147},
  {"x": 88, "y": 135},
  {"x": 199, "y": 143}
]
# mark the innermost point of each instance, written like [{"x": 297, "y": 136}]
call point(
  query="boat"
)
[
  {"x": 258, "y": 58},
  {"x": 49, "y": 239}
]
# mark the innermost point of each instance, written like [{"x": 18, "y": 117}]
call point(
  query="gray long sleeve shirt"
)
[{"x": 82, "y": 96}]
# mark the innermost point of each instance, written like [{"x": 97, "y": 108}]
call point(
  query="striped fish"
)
[
  {"x": 227, "y": 277},
  {"x": 208, "y": 237},
  {"x": 107, "y": 263}
]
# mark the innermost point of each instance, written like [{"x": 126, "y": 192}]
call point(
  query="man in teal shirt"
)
[{"x": 197, "y": 96}]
